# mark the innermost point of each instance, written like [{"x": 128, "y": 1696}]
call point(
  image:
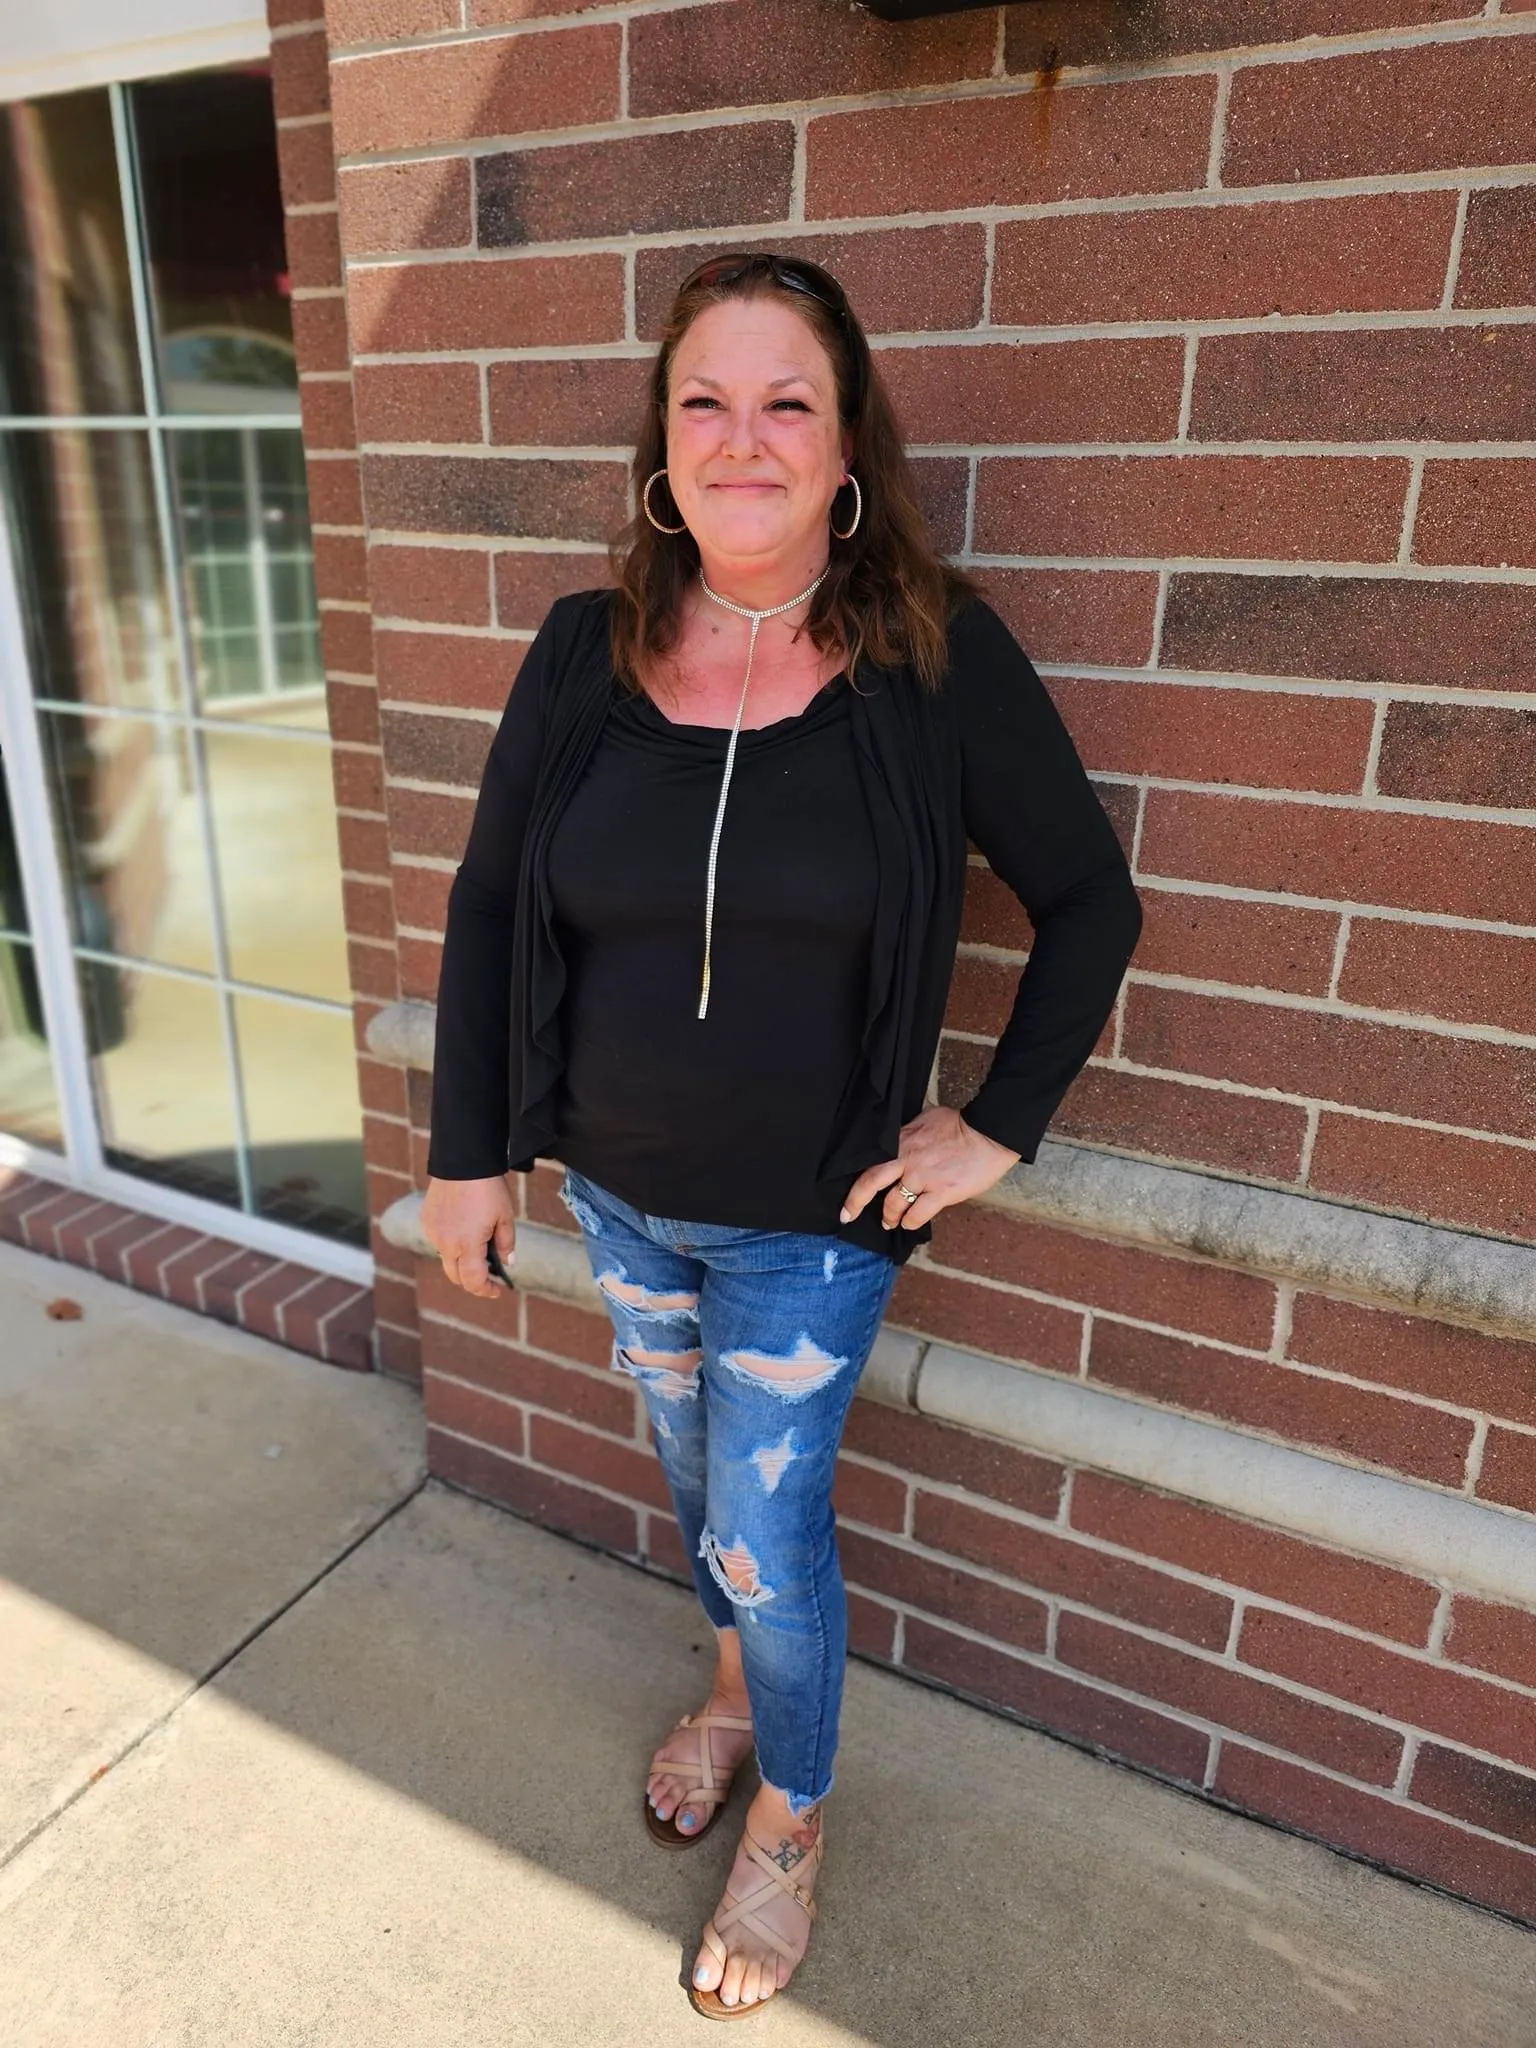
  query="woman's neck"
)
[{"x": 759, "y": 585}]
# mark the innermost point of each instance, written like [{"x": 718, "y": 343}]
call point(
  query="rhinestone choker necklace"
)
[{"x": 742, "y": 611}]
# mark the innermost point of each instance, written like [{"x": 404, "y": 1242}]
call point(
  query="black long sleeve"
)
[
  {"x": 470, "y": 1111},
  {"x": 1030, "y": 808}
]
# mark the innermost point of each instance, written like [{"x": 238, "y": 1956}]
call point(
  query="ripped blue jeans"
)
[{"x": 748, "y": 1345}]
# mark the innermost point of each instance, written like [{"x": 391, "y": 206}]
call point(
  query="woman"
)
[{"x": 698, "y": 951}]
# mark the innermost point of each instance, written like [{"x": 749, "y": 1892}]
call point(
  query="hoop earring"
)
[
  {"x": 858, "y": 508},
  {"x": 645, "y": 505}
]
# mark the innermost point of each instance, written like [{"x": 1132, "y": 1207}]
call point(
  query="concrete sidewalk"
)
[{"x": 297, "y": 1750}]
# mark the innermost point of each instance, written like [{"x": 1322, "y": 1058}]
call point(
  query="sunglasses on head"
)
[{"x": 795, "y": 274}]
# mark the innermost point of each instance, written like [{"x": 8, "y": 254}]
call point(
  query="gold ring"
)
[{"x": 906, "y": 1191}]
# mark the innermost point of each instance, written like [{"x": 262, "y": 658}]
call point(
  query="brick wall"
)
[{"x": 1219, "y": 357}]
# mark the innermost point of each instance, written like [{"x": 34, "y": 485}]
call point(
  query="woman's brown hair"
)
[{"x": 888, "y": 596}]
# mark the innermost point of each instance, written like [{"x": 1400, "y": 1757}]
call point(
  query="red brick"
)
[
  {"x": 326, "y": 410},
  {"x": 1381, "y": 1829},
  {"x": 579, "y": 1454},
  {"x": 871, "y": 1629},
  {"x": 1226, "y": 1547},
  {"x": 940, "y": 485},
  {"x": 1503, "y": 1802},
  {"x": 537, "y": 1496},
  {"x": 527, "y": 583},
  {"x": 576, "y": 1332},
  {"x": 1187, "y": 1294},
  {"x": 1253, "y": 945},
  {"x": 373, "y": 970},
  {"x": 145, "y": 1261},
  {"x": 1190, "y": 733},
  {"x": 898, "y": 280},
  {"x": 388, "y": 207},
  {"x": 1459, "y": 754},
  {"x": 306, "y": 161},
  {"x": 1384, "y": 112},
  {"x": 1397, "y": 384},
  {"x": 262, "y": 1301},
  {"x": 637, "y": 185},
  {"x": 1345, "y": 1421},
  {"x": 1246, "y": 1134},
  {"x": 605, "y": 1403},
  {"x": 348, "y": 1336},
  {"x": 364, "y": 847},
  {"x": 1014, "y": 149},
  {"x": 506, "y": 85},
  {"x": 1471, "y": 1182},
  {"x": 387, "y": 1143},
  {"x": 320, "y": 333},
  {"x": 358, "y": 774},
  {"x": 1443, "y": 1363},
  {"x": 425, "y": 822},
  {"x": 1461, "y": 867},
  {"x": 341, "y": 567},
  {"x": 511, "y": 302},
  {"x": 73, "y": 1229},
  {"x": 757, "y": 52},
  {"x": 420, "y": 748},
  {"x": 439, "y": 1296},
  {"x": 502, "y": 495},
  {"x": 394, "y": 1301},
  {"x": 421, "y": 966},
  {"x": 1051, "y": 33},
  {"x": 418, "y": 402},
  {"x": 987, "y": 1318},
  {"x": 1474, "y": 977},
  {"x": 451, "y": 669},
  {"x": 110, "y": 1249},
  {"x": 303, "y": 1316},
  {"x": 1065, "y": 615},
  {"x": 878, "y": 1499},
  {"x": 335, "y": 490},
  {"x": 300, "y": 78},
  {"x": 1074, "y": 1571},
  {"x": 385, "y": 21},
  {"x": 581, "y": 401},
  {"x": 353, "y": 712},
  {"x": 955, "y": 1457},
  {"x": 1052, "y": 1700},
  {"x": 664, "y": 1547},
  {"x": 467, "y": 1411},
  {"x": 1477, "y": 512},
  {"x": 1225, "y": 262},
  {"x": 1359, "y": 1062},
  {"x": 398, "y": 1353},
  {"x": 1425, "y": 1694},
  {"x": 1272, "y": 507},
  {"x": 975, "y": 1603},
  {"x": 448, "y": 585},
  {"x": 346, "y": 642},
  {"x": 1234, "y": 1699},
  {"x": 491, "y": 13},
  {"x": 179, "y": 1276},
  {"x": 421, "y": 897},
  {"x": 221, "y": 1290},
  {"x": 1498, "y": 248},
  {"x": 1036, "y": 391},
  {"x": 1493, "y": 1637},
  {"x": 314, "y": 251},
  {"x": 1508, "y": 1473}
]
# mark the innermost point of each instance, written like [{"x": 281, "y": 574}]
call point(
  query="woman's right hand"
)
[{"x": 459, "y": 1218}]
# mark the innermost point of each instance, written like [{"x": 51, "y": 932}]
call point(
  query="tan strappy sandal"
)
[
  {"x": 710, "y": 2003},
  {"x": 708, "y": 1792}
]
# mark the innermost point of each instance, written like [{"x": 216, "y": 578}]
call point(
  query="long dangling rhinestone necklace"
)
[{"x": 742, "y": 612}]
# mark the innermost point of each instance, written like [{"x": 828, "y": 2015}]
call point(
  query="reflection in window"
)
[
  {"x": 86, "y": 546},
  {"x": 299, "y": 1070},
  {"x": 29, "y": 1103},
  {"x": 244, "y": 517},
  {"x": 213, "y": 223},
  {"x": 66, "y": 308}
]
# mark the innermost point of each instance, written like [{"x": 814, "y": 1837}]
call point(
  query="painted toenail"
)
[{"x": 701, "y": 1976}]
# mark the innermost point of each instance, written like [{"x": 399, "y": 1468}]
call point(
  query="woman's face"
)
[{"x": 755, "y": 451}]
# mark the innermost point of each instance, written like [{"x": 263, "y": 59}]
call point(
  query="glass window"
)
[
  {"x": 165, "y": 580},
  {"x": 67, "y": 345},
  {"x": 213, "y": 226}
]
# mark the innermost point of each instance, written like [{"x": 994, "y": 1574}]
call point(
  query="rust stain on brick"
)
[{"x": 1047, "y": 77}]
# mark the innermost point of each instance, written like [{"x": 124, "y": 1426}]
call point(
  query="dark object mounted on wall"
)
[{"x": 914, "y": 10}]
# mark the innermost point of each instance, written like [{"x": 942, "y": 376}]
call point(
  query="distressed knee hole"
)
[
  {"x": 734, "y": 1571},
  {"x": 794, "y": 1376},
  {"x": 582, "y": 1210},
  {"x": 773, "y": 1460},
  {"x": 673, "y": 1375}
]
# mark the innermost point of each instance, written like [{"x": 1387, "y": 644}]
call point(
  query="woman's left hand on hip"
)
[{"x": 942, "y": 1159}]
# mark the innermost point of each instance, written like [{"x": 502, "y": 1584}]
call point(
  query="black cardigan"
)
[{"x": 986, "y": 755}]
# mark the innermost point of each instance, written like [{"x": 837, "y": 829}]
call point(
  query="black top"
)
[
  {"x": 574, "y": 942},
  {"x": 720, "y": 1119}
]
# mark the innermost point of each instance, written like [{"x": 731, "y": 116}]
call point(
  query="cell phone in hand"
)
[{"x": 494, "y": 1264}]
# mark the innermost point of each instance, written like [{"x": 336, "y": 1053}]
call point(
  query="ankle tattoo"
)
[{"x": 794, "y": 1847}]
